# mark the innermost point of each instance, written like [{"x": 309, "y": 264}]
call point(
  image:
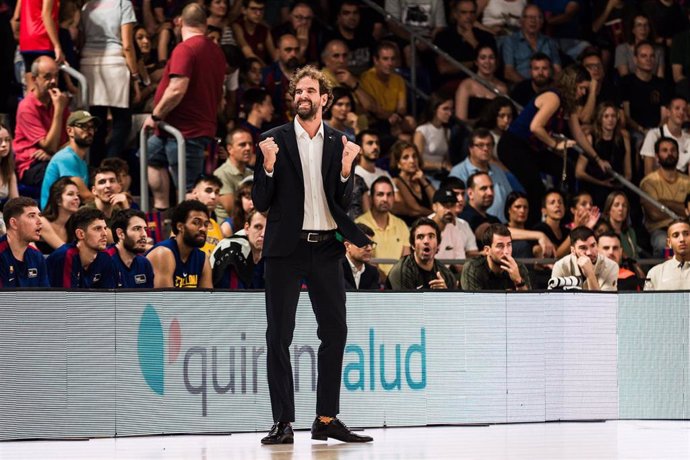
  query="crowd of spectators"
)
[{"x": 519, "y": 170}]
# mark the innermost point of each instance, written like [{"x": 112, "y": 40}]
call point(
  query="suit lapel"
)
[
  {"x": 292, "y": 150},
  {"x": 328, "y": 151}
]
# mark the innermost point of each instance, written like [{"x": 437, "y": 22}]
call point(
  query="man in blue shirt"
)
[
  {"x": 132, "y": 269},
  {"x": 521, "y": 45},
  {"x": 22, "y": 265},
  {"x": 71, "y": 160},
  {"x": 83, "y": 263},
  {"x": 479, "y": 159}
]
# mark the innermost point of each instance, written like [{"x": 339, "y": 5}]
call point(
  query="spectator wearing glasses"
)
[
  {"x": 521, "y": 45},
  {"x": 252, "y": 35},
  {"x": 358, "y": 272},
  {"x": 41, "y": 118},
  {"x": 71, "y": 160},
  {"x": 479, "y": 160},
  {"x": 301, "y": 25}
]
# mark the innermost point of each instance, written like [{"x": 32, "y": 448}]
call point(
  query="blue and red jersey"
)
[
  {"x": 66, "y": 271},
  {"x": 139, "y": 275},
  {"x": 31, "y": 272}
]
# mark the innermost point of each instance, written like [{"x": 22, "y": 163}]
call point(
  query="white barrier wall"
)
[{"x": 78, "y": 364}]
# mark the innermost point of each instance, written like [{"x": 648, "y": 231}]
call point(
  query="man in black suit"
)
[
  {"x": 303, "y": 180},
  {"x": 358, "y": 272}
]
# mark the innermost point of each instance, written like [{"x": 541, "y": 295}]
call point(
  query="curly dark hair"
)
[{"x": 309, "y": 71}]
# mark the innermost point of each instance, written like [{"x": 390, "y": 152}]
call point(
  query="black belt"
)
[{"x": 316, "y": 236}]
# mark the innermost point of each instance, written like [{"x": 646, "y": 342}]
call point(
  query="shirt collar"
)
[
  {"x": 352, "y": 265},
  {"x": 680, "y": 264},
  {"x": 299, "y": 131}
]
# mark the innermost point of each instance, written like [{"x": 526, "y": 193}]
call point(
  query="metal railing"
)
[
  {"x": 83, "y": 85},
  {"x": 143, "y": 163},
  {"x": 414, "y": 38},
  {"x": 526, "y": 261}
]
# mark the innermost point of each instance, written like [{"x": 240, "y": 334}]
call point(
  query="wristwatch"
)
[
  {"x": 156, "y": 118},
  {"x": 520, "y": 284}
]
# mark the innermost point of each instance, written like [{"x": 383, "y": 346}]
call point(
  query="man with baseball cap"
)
[
  {"x": 71, "y": 160},
  {"x": 453, "y": 240}
]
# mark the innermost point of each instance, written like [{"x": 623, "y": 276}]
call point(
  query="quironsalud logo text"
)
[
  {"x": 151, "y": 348},
  {"x": 234, "y": 366}
]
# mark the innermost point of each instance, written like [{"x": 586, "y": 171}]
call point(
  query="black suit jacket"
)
[
  {"x": 282, "y": 195},
  {"x": 368, "y": 280}
]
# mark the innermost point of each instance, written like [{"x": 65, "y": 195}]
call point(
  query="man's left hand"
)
[{"x": 350, "y": 152}]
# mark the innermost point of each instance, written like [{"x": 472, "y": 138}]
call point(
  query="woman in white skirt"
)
[{"x": 109, "y": 63}]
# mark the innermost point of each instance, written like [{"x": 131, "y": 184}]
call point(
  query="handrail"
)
[
  {"x": 642, "y": 194},
  {"x": 415, "y": 37},
  {"x": 627, "y": 184},
  {"x": 526, "y": 261},
  {"x": 83, "y": 85},
  {"x": 143, "y": 163}
]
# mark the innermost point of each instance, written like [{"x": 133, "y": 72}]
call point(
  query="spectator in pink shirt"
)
[{"x": 41, "y": 121}]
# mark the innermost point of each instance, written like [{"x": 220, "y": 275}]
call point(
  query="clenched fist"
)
[
  {"x": 350, "y": 152},
  {"x": 269, "y": 149}
]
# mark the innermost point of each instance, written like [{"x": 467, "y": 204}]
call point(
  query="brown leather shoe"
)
[
  {"x": 281, "y": 433},
  {"x": 336, "y": 430}
]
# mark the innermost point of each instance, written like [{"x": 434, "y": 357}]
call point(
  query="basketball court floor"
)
[{"x": 631, "y": 439}]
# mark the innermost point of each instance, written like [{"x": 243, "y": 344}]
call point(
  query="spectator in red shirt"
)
[
  {"x": 188, "y": 98},
  {"x": 41, "y": 121}
]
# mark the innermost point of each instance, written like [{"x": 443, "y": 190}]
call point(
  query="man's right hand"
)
[
  {"x": 585, "y": 265},
  {"x": 59, "y": 99},
  {"x": 59, "y": 55},
  {"x": 438, "y": 282},
  {"x": 269, "y": 149}
]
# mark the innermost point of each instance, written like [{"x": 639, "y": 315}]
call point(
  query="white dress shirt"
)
[
  {"x": 356, "y": 273},
  {"x": 671, "y": 275},
  {"x": 605, "y": 270},
  {"x": 317, "y": 216}
]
